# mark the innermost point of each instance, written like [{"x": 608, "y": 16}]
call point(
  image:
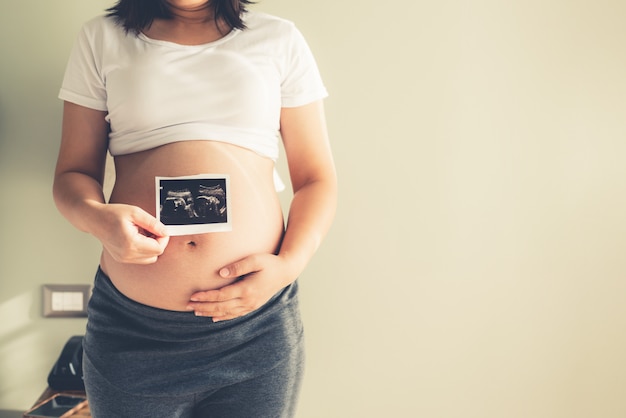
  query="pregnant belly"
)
[{"x": 191, "y": 262}]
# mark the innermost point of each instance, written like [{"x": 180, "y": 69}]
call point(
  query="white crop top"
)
[{"x": 157, "y": 92}]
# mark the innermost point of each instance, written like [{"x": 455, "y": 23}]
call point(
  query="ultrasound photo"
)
[{"x": 193, "y": 204}]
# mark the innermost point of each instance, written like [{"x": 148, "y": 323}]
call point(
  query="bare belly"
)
[{"x": 191, "y": 262}]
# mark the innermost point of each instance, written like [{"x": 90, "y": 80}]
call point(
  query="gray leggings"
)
[{"x": 141, "y": 361}]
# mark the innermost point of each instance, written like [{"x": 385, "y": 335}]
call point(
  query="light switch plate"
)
[{"x": 61, "y": 300}]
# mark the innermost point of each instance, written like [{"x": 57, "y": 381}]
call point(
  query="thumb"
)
[{"x": 150, "y": 224}]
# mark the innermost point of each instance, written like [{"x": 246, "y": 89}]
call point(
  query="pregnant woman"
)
[{"x": 194, "y": 324}]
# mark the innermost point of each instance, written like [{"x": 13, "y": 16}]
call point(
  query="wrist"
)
[
  {"x": 293, "y": 264},
  {"x": 89, "y": 213}
]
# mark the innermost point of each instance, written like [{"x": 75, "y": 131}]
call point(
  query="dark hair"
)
[{"x": 135, "y": 15}]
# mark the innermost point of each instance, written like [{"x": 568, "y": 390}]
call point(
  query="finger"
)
[
  {"x": 140, "y": 249},
  {"x": 230, "y": 316},
  {"x": 161, "y": 243},
  {"x": 218, "y": 310},
  {"x": 137, "y": 258},
  {"x": 240, "y": 268},
  {"x": 150, "y": 246},
  {"x": 145, "y": 260},
  {"x": 230, "y": 292},
  {"x": 149, "y": 223}
]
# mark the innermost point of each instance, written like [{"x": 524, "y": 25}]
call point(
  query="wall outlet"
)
[{"x": 61, "y": 300}]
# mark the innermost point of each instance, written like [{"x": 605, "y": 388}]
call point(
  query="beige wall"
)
[{"x": 476, "y": 267}]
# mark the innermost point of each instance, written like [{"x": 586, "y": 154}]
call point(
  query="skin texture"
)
[{"x": 223, "y": 275}]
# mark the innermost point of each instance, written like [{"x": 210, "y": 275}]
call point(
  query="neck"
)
[
  {"x": 188, "y": 26},
  {"x": 193, "y": 15}
]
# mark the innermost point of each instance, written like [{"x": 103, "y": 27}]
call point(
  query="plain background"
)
[{"x": 477, "y": 264}]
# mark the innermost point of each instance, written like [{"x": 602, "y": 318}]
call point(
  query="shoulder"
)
[
  {"x": 268, "y": 24},
  {"x": 102, "y": 27}
]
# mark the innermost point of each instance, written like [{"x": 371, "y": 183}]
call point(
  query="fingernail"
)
[{"x": 224, "y": 272}]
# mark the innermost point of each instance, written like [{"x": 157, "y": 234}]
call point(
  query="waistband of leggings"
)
[{"x": 116, "y": 300}]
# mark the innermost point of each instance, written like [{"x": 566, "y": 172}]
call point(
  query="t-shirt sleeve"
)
[
  {"x": 302, "y": 82},
  {"x": 82, "y": 83}
]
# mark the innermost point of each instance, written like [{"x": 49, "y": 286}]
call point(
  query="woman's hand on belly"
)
[
  {"x": 261, "y": 276},
  {"x": 131, "y": 235}
]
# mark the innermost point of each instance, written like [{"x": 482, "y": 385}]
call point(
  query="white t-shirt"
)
[{"x": 158, "y": 92}]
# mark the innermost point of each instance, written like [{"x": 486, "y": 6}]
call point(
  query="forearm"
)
[
  {"x": 77, "y": 196},
  {"x": 310, "y": 217}
]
